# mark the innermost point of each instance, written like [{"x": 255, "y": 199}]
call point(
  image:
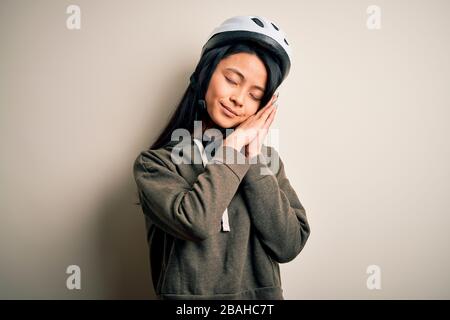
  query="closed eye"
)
[{"x": 230, "y": 81}]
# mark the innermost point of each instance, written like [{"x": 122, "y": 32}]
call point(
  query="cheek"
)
[
  {"x": 216, "y": 91},
  {"x": 218, "y": 84},
  {"x": 251, "y": 110},
  {"x": 222, "y": 90},
  {"x": 248, "y": 114}
]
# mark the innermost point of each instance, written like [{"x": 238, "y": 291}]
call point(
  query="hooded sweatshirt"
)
[{"x": 218, "y": 228}]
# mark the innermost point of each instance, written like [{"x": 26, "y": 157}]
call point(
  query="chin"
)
[{"x": 224, "y": 122}]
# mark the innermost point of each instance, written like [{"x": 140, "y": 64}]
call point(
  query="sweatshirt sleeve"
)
[
  {"x": 276, "y": 212},
  {"x": 187, "y": 211}
]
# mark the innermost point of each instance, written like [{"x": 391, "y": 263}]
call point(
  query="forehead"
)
[{"x": 248, "y": 64}]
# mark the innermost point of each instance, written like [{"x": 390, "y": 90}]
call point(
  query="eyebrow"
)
[{"x": 242, "y": 77}]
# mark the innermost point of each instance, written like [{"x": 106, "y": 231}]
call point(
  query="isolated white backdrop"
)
[{"x": 363, "y": 123}]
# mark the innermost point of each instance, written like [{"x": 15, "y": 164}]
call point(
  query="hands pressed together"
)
[{"x": 252, "y": 132}]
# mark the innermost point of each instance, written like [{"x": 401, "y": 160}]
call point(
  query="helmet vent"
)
[
  {"x": 258, "y": 22},
  {"x": 276, "y": 28},
  {"x": 285, "y": 41}
]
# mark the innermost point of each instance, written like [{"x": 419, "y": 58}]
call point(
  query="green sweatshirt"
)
[{"x": 191, "y": 255}]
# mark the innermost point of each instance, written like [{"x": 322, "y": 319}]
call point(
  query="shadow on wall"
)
[{"x": 123, "y": 247}]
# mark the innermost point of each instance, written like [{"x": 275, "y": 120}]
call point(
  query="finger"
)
[
  {"x": 246, "y": 121},
  {"x": 270, "y": 118},
  {"x": 267, "y": 106},
  {"x": 265, "y": 114},
  {"x": 262, "y": 133},
  {"x": 272, "y": 100},
  {"x": 260, "y": 123}
]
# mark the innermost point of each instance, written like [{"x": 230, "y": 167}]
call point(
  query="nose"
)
[{"x": 238, "y": 98}]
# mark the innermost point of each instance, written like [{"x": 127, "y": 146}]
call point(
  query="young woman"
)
[{"x": 218, "y": 229}]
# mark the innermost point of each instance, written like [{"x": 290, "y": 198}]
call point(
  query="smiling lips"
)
[{"x": 229, "y": 111}]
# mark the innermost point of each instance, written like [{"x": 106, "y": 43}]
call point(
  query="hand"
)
[
  {"x": 254, "y": 147},
  {"x": 256, "y": 125}
]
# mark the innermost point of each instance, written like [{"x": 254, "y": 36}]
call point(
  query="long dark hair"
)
[{"x": 189, "y": 109}]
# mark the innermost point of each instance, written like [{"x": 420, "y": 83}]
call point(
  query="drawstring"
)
[{"x": 225, "y": 222}]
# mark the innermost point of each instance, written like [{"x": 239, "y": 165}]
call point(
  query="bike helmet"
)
[{"x": 260, "y": 30}]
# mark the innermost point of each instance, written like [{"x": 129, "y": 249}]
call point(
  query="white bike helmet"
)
[{"x": 257, "y": 29}]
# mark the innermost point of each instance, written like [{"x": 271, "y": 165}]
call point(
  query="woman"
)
[{"x": 218, "y": 229}]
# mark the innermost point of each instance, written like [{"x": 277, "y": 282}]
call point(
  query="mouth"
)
[{"x": 228, "y": 111}]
